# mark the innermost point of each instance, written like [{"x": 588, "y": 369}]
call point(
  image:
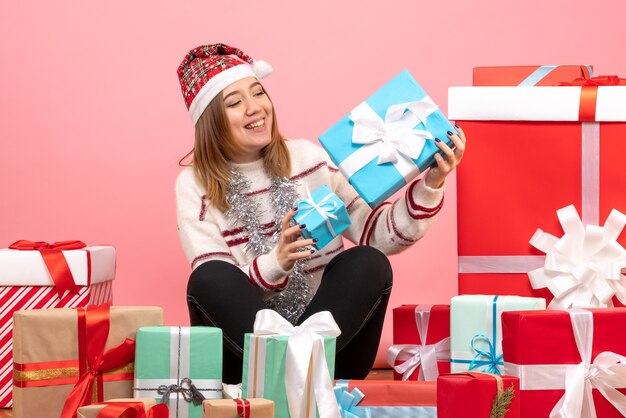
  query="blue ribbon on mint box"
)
[
  {"x": 490, "y": 357},
  {"x": 388, "y": 139}
]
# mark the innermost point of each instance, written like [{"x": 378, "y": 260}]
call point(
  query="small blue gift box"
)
[
  {"x": 324, "y": 214},
  {"x": 388, "y": 139}
]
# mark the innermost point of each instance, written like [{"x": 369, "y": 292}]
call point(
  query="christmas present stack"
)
[
  {"x": 68, "y": 358},
  {"x": 421, "y": 342},
  {"x": 388, "y": 139},
  {"x": 562, "y": 147},
  {"x": 538, "y": 149},
  {"x": 38, "y": 275}
]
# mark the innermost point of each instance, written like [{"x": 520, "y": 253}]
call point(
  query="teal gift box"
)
[
  {"x": 388, "y": 139},
  {"x": 175, "y": 364},
  {"x": 476, "y": 329},
  {"x": 324, "y": 214},
  {"x": 264, "y": 360}
]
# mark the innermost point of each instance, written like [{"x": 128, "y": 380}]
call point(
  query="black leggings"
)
[{"x": 355, "y": 288}]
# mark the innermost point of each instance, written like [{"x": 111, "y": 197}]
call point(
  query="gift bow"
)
[
  {"x": 93, "y": 331},
  {"x": 424, "y": 355},
  {"x": 492, "y": 361},
  {"x": 133, "y": 410},
  {"x": 583, "y": 267},
  {"x": 601, "y": 80},
  {"x": 606, "y": 373},
  {"x": 306, "y": 361},
  {"x": 324, "y": 208},
  {"x": 189, "y": 391},
  {"x": 589, "y": 93},
  {"x": 56, "y": 264},
  {"x": 348, "y": 402},
  {"x": 393, "y": 140}
]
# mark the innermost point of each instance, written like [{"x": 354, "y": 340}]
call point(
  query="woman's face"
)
[{"x": 249, "y": 116}]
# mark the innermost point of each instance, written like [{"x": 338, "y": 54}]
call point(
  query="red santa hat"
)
[{"x": 208, "y": 69}]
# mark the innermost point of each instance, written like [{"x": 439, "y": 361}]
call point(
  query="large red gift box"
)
[
  {"x": 472, "y": 394},
  {"x": 551, "y": 349},
  {"x": 26, "y": 284},
  {"x": 533, "y": 151},
  {"x": 529, "y": 75},
  {"x": 421, "y": 333}
]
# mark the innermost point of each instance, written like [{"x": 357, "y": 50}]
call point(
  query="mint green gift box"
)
[
  {"x": 476, "y": 330},
  {"x": 172, "y": 362},
  {"x": 264, "y": 374}
]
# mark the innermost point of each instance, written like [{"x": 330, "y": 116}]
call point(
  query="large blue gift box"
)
[
  {"x": 388, "y": 139},
  {"x": 324, "y": 215}
]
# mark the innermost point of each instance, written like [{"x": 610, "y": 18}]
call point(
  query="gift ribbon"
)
[
  {"x": 424, "y": 355},
  {"x": 348, "y": 401},
  {"x": 589, "y": 93},
  {"x": 393, "y": 140},
  {"x": 55, "y": 261},
  {"x": 491, "y": 358},
  {"x": 537, "y": 75},
  {"x": 93, "y": 331},
  {"x": 179, "y": 391},
  {"x": 541, "y": 72},
  {"x": 132, "y": 410},
  {"x": 243, "y": 407},
  {"x": 324, "y": 208},
  {"x": 606, "y": 373},
  {"x": 307, "y": 379},
  {"x": 582, "y": 268}
]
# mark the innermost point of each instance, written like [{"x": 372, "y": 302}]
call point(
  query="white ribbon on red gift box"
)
[
  {"x": 424, "y": 355},
  {"x": 393, "y": 140},
  {"x": 583, "y": 267},
  {"x": 306, "y": 371},
  {"x": 606, "y": 373}
]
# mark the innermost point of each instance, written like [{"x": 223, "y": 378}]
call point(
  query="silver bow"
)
[{"x": 186, "y": 388}]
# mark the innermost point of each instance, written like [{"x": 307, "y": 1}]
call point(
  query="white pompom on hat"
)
[{"x": 208, "y": 69}]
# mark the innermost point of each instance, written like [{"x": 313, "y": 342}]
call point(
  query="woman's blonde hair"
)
[{"x": 214, "y": 147}]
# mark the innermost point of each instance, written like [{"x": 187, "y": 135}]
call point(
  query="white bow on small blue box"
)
[{"x": 324, "y": 215}]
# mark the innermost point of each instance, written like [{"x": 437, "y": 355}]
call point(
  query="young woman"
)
[{"x": 235, "y": 208}]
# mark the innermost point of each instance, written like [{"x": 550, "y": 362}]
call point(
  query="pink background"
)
[{"x": 93, "y": 122}]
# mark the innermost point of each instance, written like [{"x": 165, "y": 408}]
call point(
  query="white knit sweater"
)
[{"x": 205, "y": 233}]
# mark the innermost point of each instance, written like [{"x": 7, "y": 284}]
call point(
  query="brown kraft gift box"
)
[
  {"x": 46, "y": 354},
  {"x": 228, "y": 408}
]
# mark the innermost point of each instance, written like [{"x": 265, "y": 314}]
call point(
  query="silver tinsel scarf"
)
[{"x": 244, "y": 211}]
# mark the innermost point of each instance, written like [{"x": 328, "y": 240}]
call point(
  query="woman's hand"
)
[
  {"x": 437, "y": 174},
  {"x": 290, "y": 248}
]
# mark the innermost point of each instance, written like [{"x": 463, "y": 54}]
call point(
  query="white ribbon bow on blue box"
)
[
  {"x": 324, "y": 214},
  {"x": 387, "y": 140}
]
